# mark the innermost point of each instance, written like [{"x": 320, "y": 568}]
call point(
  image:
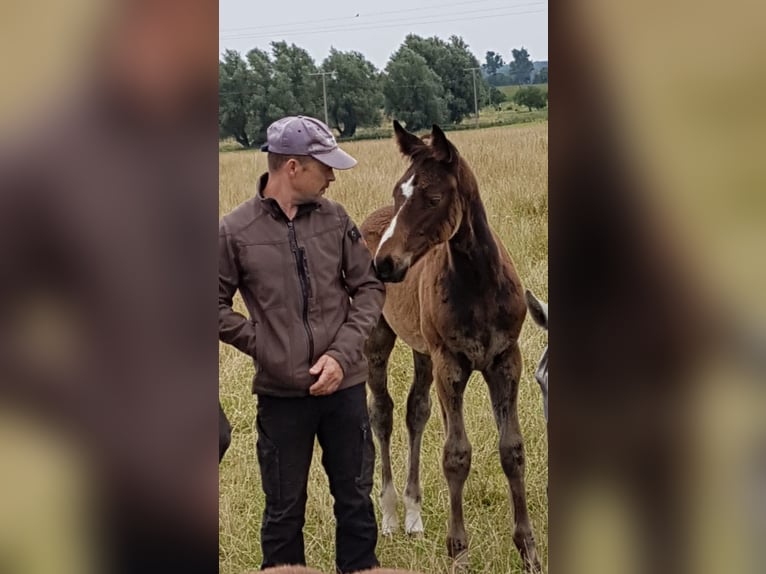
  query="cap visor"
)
[{"x": 336, "y": 159}]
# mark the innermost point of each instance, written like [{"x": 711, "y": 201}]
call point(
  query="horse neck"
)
[{"x": 473, "y": 253}]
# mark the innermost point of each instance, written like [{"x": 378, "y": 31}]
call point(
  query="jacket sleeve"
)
[
  {"x": 233, "y": 328},
  {"x": 367, "y": 294}
]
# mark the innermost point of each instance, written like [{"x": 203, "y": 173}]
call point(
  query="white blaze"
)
[{"x": 408, "y": 188}]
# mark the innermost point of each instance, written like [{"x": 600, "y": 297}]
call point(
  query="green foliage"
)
[
  {"x": 531, "y": 97},
  {"x": 451, "y": 62},
  {"x": 493, "y": 63},
  {"x": 414, "y": 93},
  {"x": 354, "y": 96},
  {"x": 293, "y": 91},
  {"x": 255, "y": 91},
  {"x": 427, "y": 80},
  {"x": 234, "y": 85},
  {"x": 499, "y": 79},
  {"x": 497, "y": 96},
  {"x": 521, "y": 68}
]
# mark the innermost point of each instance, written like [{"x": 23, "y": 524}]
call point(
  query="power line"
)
[
  {"x": 392, "y": 24},
  {"x": 361, "y": 15},
  {"x": 385, "y": 23}
]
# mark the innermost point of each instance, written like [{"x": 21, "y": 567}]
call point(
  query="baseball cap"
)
[{"x": 303, "y": 135}]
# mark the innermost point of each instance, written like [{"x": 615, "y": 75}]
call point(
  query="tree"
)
[
  {"x": 413, "y": 92},
  {"x": 531, "y": 97},
  {"x": 354, "y": 96},
  {"x": 292, "y": 90},
  {"x": 451, "y": 61},
  {"x": 234, "y": 100},
  {"x": 261, "y": 72},
  {"x": 521, "y": 68},
  {"x": 542, "y": 76},
  {"x": 497, "y": 97},
  {"x": 494, "y": 62}
]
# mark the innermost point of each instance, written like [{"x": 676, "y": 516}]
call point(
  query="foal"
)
[{"x": 455, "y": 298}]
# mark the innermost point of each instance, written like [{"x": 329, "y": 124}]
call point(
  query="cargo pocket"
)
[
  {"x": 268, "y": 461},
  {"x": 367, "y": 457}
]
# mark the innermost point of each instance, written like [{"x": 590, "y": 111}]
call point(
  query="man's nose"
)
[{"x": 331, "y": 176}]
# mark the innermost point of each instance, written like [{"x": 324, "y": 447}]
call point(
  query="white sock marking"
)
[
  {"x": 388, "y": 504},
  {"x": 413, "y": 521}
]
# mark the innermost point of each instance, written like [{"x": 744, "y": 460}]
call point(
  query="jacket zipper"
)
[{"x": 299, "y": 256}]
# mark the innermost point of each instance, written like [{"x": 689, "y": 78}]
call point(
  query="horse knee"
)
[
  {"x": 382, "y": 413},
  {"x": 512, "y": 457},
  {"x": 457, "y": 461}
]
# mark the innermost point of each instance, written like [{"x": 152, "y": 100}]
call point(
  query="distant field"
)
[
  {"x": 510, "y": 90},
  {"x": 511, "y": 165}
]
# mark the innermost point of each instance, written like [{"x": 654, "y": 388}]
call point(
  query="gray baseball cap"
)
[{"x": 302, "y": 135}]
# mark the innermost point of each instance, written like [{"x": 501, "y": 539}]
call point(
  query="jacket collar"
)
[{"x": 272, "y": 206}]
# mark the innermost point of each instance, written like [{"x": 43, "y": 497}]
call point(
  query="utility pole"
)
[
  {"x": 475, "y": 96},
  {"x": 324, "y": 91}
]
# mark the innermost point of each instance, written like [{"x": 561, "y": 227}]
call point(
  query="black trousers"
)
[{"x": 286, "y": 431}]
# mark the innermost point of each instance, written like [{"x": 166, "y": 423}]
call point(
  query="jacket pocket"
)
[
  {"x": 273, "y": 345},
  {"x": 268, "y": 461},
  {"x": 367, "y": 457}
]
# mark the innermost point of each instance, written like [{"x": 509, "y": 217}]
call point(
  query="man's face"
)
[{"x": 311, "y": 180}]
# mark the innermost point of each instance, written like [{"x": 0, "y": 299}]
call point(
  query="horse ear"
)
[
  {"x": 408, "y": 143},
  {"x": 444, "y": 151}
]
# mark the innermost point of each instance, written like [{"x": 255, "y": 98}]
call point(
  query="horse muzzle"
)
[{"x": 390, "y": 270}]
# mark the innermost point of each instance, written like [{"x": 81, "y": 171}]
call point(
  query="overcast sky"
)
[{"x": 377, "y": 29}]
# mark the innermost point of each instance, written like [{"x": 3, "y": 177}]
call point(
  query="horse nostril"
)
[{"x": 384, "y": 268}]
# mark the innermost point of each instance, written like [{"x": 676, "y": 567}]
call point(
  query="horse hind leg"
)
[
  {"x": 377, "y": 350},
  {"x": 418, "y": 412},
  {"x": 503, "y": 380}
]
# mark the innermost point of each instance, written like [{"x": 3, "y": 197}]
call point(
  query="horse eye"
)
[{"x": 434, "y": 200}]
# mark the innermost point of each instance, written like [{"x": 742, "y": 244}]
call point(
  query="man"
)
[{"x": 308, "y": 283}]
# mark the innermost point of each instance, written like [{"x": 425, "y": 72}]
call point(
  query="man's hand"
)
[{"x": 330, "y": 376}]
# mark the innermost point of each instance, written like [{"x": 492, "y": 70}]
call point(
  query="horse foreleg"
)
[
  {"x": 418, "y": 412},
  {"x": 503, "y": 380},
  {"x": 451, "y": 377},
  {"x": 378, "y": 349}
]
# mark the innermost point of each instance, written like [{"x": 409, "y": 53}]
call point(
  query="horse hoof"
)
[
  {"x": 389, "y": 526},
  {"x": 413, "y": 524},
  {"x": 456, "y": 547},
  {"x": 526, "y": 546}
]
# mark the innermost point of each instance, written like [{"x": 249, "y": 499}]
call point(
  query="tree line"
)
[
  {"x": 520, "y": 70},
  {"x": 426, "y": 81}
]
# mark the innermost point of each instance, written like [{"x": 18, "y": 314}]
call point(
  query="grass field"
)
[
  {"x": 509, "y": 91},
  {"x": 511, "y": 166}
]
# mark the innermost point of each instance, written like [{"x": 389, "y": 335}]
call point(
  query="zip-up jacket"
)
[{"x": 309, "y": 287}]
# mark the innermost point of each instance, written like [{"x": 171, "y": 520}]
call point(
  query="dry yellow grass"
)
[{"x": 511, "y": 165}]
